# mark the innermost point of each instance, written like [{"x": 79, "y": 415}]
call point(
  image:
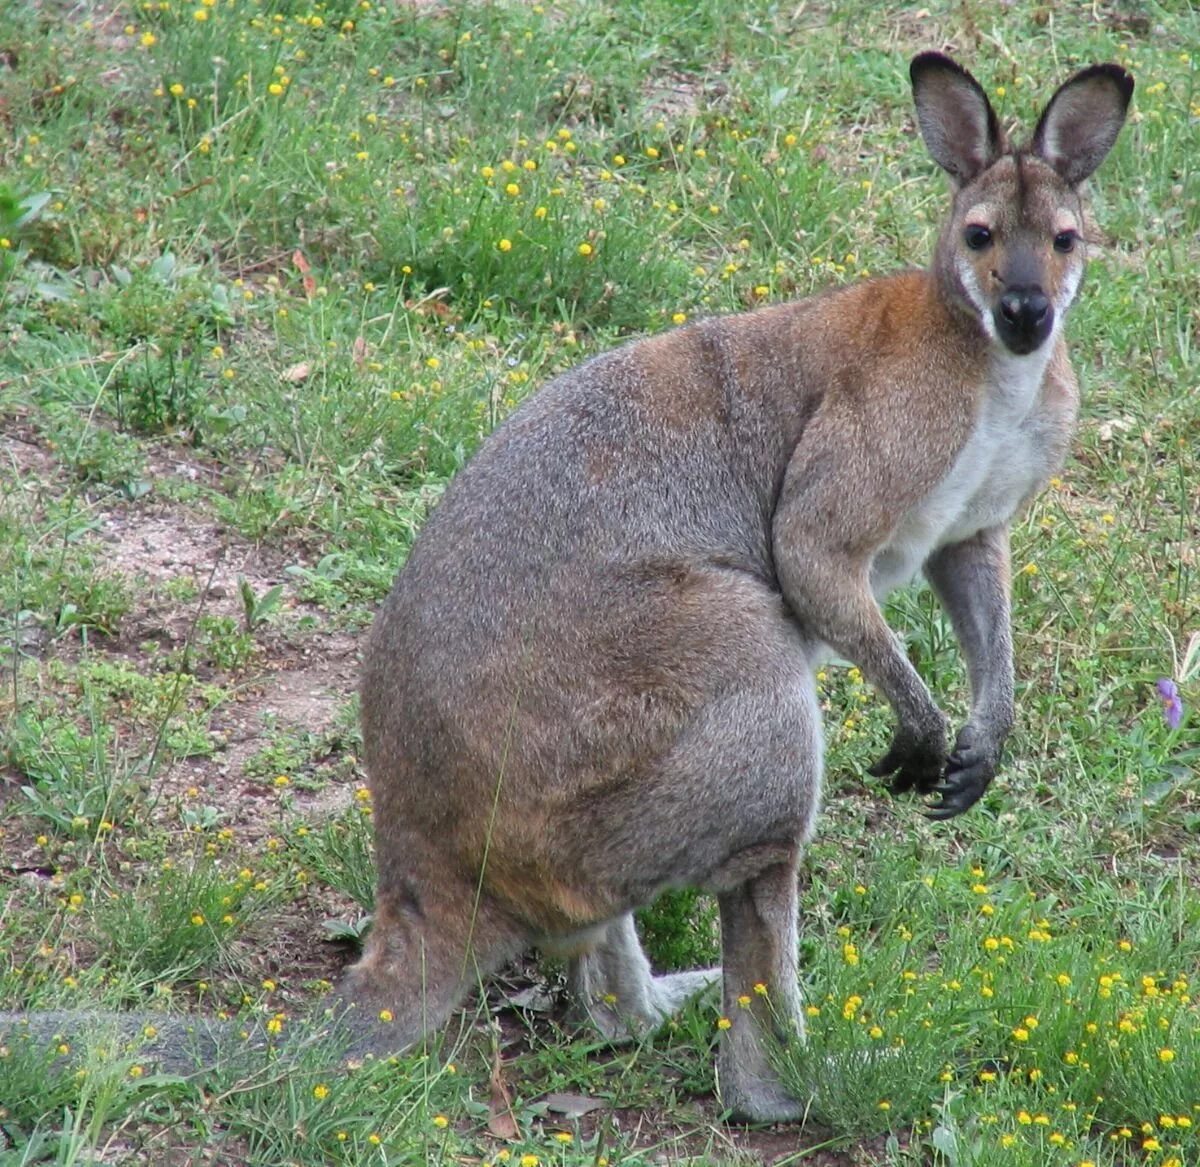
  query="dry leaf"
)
[
  {"x": 306, "y": 279},
  {"x": 501, "y": 1121},
  {"x": 297, "y": 373}
]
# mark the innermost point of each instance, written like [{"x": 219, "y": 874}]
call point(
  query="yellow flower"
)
[
  {"x": 386, "y": 1015},
  {"x": 505, "y": 245},
  {"x": 679, "y": 318},
  {"x": 1166, "y": 1056},
  {"x": 136, "y": 1071},
  {"x": 585, "y": 249},
  {"x": 176, "y": 90},
  {"x": 149, "y": 40},
  {"x": 320, "y": 1091},
  {"x": 441, "y": 1121},
  {"x": 512, "y": 189},
  {"x": 724, "y": 1023}
]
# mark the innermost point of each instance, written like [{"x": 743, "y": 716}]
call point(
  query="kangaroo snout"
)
[{"x": 1024, "y": 319}]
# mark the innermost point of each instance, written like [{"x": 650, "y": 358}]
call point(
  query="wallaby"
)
[{"x": 594, "y": 677}]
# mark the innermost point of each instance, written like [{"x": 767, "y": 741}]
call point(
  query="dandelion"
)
[
  {"x": 149, "y": 40},
  {"x": 564, "y": 1137},
  {"x": 512, "y": 189},
  {"x": 441, "y": 1121},
  {"x": 724, "y": 1023},
  {"x": 1166, "y": 1055},
  {"x": 320, "y": 1091},
  {"x": 504, "y": 245},
  {"x": 386, "y": 1015},
  {"x": 136, "y": 1071},
  {"x": 1172, "y": 705},
  {"x": 760, "y": 989},
  {"x": 585, "y": 249},
  {"x": 679, "y": 318}
]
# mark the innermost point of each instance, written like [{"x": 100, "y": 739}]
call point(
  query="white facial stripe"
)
[
  {"x": 1066, "y": 293},
  {"x": 966, "y": 275}
]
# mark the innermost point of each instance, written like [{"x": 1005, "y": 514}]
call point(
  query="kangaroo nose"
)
[{"x": 1024, "y": 309}]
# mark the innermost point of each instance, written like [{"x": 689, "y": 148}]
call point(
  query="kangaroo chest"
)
[{"x": 1013, "y": 448}]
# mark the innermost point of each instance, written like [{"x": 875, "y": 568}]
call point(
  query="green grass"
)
[{"x": 268, "y": 277}]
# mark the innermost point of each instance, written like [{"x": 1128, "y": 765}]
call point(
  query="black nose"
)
[
  {"x": 1024, "y": 310},
  {"x": 1024, "y": 318}
]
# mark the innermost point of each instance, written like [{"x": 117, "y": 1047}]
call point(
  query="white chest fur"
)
[{"x": 1006, "y": 457}]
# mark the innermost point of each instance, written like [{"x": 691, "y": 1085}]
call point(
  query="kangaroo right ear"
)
[{"x": 955, "y": 116}]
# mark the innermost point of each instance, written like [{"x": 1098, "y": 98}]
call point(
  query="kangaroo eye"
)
[
  {"x": 1064, "y": 241},
  {"x": 977, "y": 238}
]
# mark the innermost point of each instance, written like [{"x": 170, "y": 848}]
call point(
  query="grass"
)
[{"x": 268, "y": 273}]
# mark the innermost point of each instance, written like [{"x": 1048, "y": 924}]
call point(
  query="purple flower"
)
[{"x": 1172, "y": 705}]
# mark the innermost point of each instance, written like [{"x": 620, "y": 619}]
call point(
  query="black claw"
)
[{"x": 942, "y": 812}]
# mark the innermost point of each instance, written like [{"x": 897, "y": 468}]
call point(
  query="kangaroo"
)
[{"x": 594, "y": 678}]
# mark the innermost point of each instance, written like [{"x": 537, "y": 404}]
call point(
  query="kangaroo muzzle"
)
[{"x": 1024, "y": 319}]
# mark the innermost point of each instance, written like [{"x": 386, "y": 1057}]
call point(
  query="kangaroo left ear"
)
[{"x": 1082, "y": 120}]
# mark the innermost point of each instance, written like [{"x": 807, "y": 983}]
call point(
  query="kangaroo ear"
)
[
  {"x": 1080, "y": 124},
  {"x": 955, "y": 116}
]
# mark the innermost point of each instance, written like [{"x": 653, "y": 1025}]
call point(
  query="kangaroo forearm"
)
[{"x": 971, "y": 579}]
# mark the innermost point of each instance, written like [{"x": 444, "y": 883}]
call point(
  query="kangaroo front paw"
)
[
  {"x": 914, "y": 760},
  {"x": 969, "y": 771}
]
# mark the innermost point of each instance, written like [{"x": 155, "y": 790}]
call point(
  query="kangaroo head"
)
[{"x": 1012, "y": 252}]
